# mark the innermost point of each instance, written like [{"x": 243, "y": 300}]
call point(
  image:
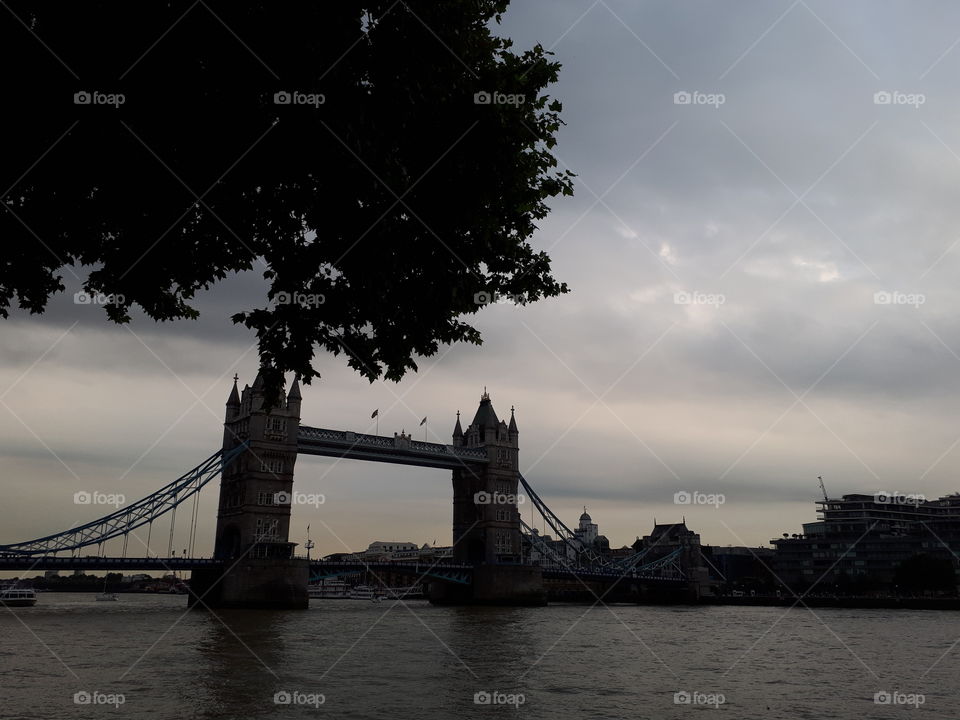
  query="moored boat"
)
[
  {"x": 361, "y": 592},
  {"x": 18, "y": 597},
  {"x": 329, "y": 590}
]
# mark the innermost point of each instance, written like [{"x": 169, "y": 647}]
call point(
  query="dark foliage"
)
[{"x": 376, "y": 216}]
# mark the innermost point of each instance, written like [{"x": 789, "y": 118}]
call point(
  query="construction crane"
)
[{"x": 823, "y": 488}]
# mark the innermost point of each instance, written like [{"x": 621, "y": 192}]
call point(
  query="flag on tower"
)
[
  {"x": 423, "y": 421},
  {"x": 375, "y": 413}
]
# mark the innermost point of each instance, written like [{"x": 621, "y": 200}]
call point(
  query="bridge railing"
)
[{"x": 346, "y": 440}]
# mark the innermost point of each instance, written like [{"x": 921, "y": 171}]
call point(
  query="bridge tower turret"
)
[{"x": 256, "y": 492}]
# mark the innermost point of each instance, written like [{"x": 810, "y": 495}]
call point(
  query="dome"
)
[{"x": 585, "y": 518}]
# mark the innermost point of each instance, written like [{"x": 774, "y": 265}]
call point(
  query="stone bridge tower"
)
[
  {"x": 253, "y": 516},
  {"x": 486, "y": 518}
]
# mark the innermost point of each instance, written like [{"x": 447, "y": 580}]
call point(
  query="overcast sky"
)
[{"x": 763, "y": 290}]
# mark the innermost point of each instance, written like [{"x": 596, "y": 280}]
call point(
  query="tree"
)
[{"x": 383, "y": 163}]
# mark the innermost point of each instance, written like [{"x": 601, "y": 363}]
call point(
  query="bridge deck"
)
[
  {"x": 454, "y": 572},
  {"x": 31, "y": 563},
  {"x": 400, "y": 450}
]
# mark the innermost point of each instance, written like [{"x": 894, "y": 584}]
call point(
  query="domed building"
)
[{"x": 588, "y": 532}]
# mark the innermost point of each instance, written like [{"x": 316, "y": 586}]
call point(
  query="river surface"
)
[{"x": 145, "y": 656}]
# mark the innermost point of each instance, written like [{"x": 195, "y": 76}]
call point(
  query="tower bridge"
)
[{"x": 497, "y": 558}]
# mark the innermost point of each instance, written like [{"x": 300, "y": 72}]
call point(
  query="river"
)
[{"x": 146, "y": 656}]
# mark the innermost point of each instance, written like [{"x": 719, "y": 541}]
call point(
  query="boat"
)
[
  {"x": 413, "y": 592},
  {"x": 329, "y": 590},
  {"x": 107, "y": 596},
  {"x": 18, "y": 597},
  {"x": 361, "y": 592}
]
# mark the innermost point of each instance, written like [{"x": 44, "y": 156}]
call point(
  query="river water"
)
[{"x": 147, "y": 657}]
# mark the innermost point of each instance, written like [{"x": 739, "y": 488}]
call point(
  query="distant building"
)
[
  {"x": 588, "y": 535},
  {"x": 545, "y": 550},
  {"x": 741, "y": 568},
  {"x": 588, "y": 531},
  {"x": 434, "y": 553},
  {"x": 860, "y": 541},
  {"x": 136, "y": 577},
  {"x": 668, "y": 538},
  {"x": 390, "y": 551},
  {"x": 340, "y": 557}
]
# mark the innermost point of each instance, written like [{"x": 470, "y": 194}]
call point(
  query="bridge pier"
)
[
  {"x": 518, "y": 585},
  {"x": 272, "y": 584}
]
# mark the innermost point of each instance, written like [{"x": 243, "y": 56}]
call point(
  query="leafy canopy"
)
[{"x": 150, "y": 145}]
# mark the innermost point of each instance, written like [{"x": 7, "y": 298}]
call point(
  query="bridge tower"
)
[
  {"x": 253, "y": 517},
  {"x": 486, "y": 519}
]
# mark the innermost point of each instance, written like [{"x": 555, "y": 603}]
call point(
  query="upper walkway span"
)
[{"x": 400, "y": 449}]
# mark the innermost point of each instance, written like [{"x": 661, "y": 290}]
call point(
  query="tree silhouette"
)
[{"x": 383, "y": 164}]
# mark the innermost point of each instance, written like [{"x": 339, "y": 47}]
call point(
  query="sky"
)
[{"x": 763, "y": 291}]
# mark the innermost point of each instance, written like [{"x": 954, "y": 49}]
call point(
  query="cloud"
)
[{"x": 797, "y": 200}]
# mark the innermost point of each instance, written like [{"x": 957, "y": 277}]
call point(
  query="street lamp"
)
[{"x": 308, "y": 544}]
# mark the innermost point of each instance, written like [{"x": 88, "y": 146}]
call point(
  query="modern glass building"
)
[{"x": 859, "y": 542}]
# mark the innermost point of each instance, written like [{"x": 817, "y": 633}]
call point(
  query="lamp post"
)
[{"x": 308, "y": 544}]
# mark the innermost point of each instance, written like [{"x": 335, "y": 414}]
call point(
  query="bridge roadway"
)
[
  {"x": 448, "y": 572},
  {"x": 29, "y": 562}
]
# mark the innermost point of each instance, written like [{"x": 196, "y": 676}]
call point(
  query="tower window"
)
[
  {"x": 270, "y": 463},
  {"x": 277, "y": 425},
  {"x": 267, "y": 530}
]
